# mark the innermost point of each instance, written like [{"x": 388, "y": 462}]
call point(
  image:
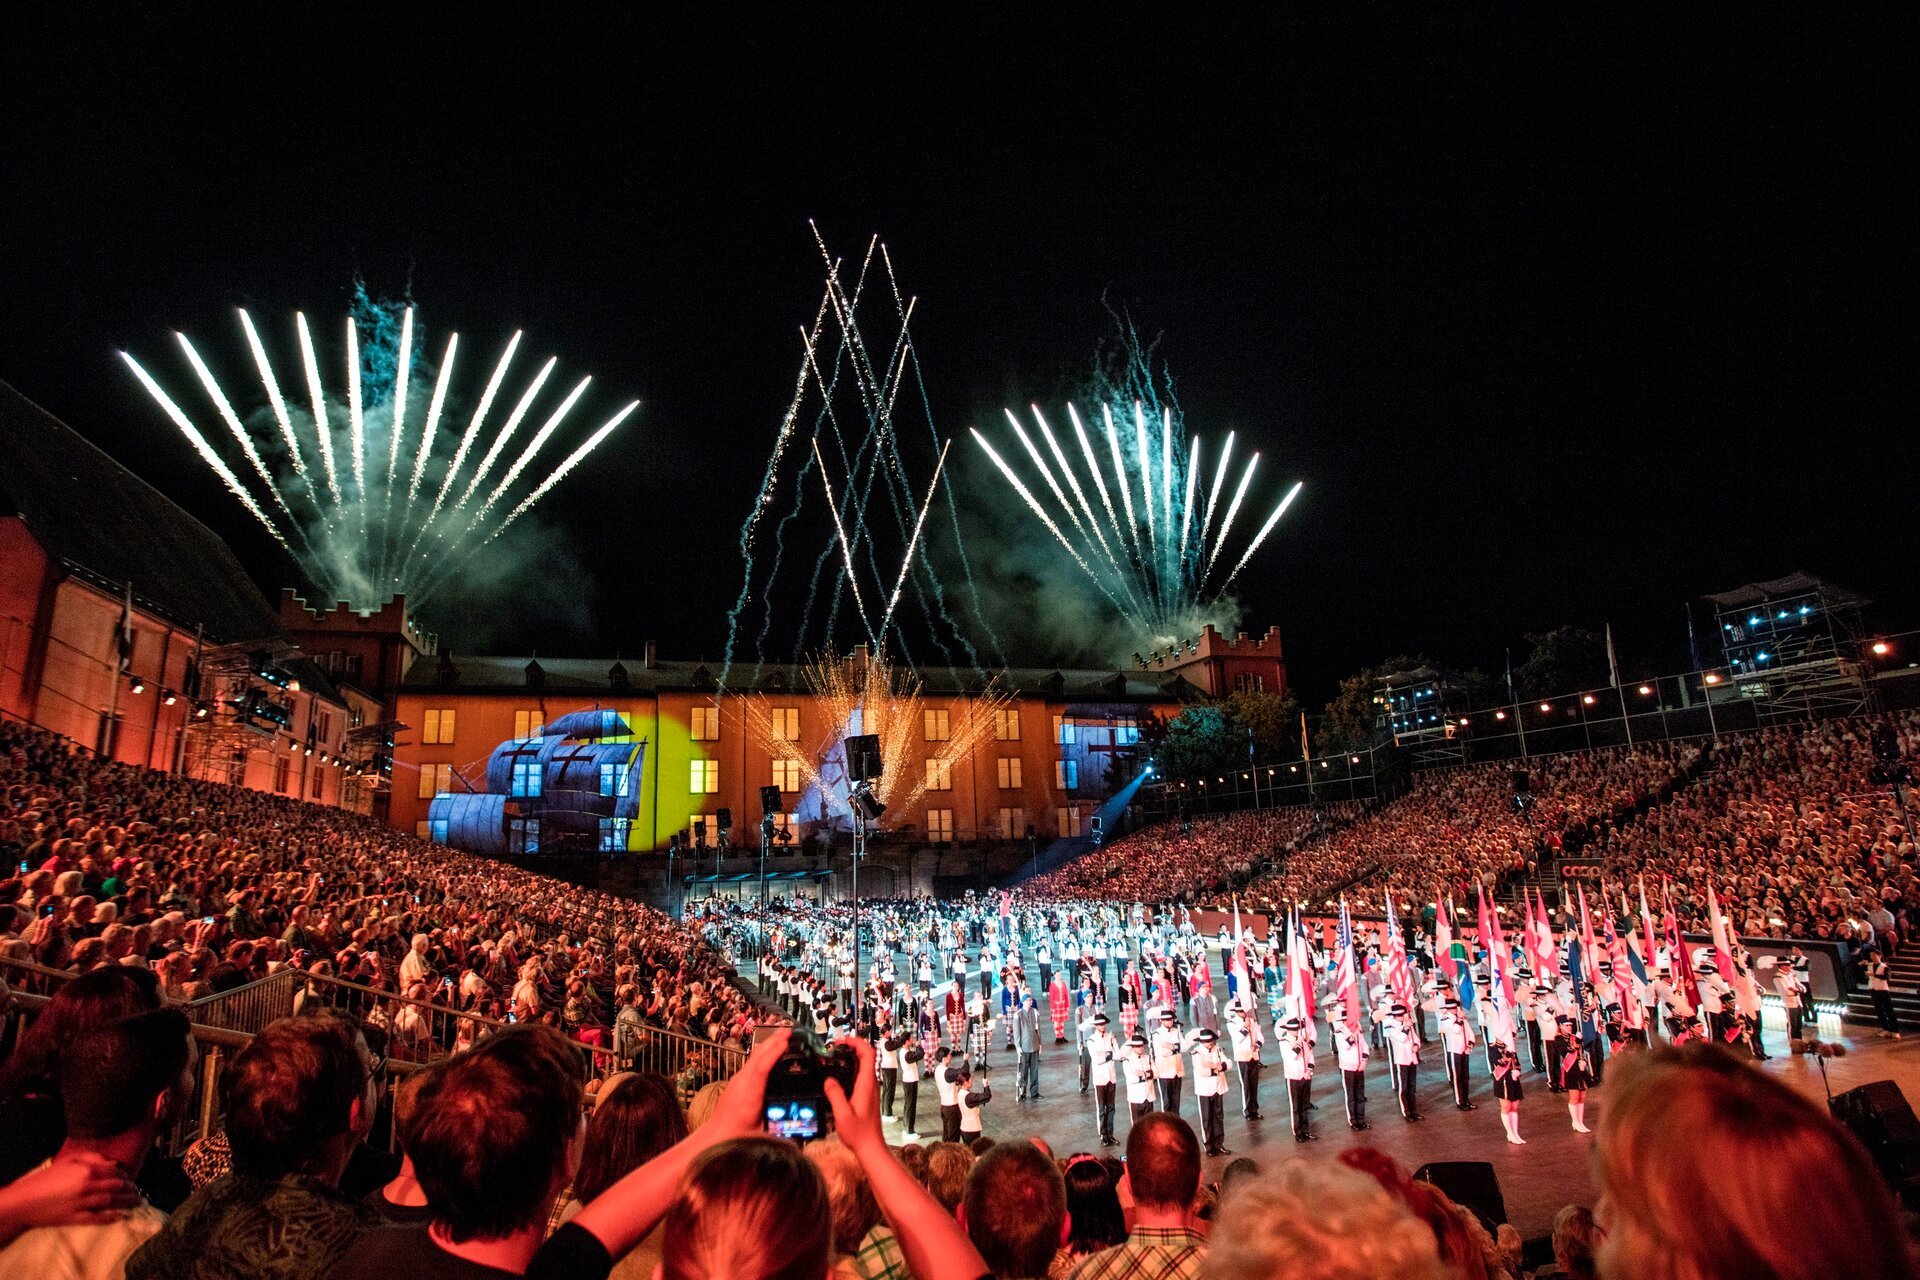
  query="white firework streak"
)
[
  {"x": 1038, "y": 510},
  {"x": 356, "y": 427},
  {"x": 1046, "y": 472},
  {"x": 1121, "y": 575},
  {"x": 1146, "y": 495},
  {"x": 560, "y": 472},
  {"x": 279, "y": 402},
  {"x": 228, "y": 416},
  {"x": 1186, "y": 509},
  {"x": 1265, "y": 529},
  {"x": 540, "y": 437},
  {"x": 1073, "y": 482},
  {"x": 913, "y": 543},
  {"x": 433, "y": 418},
  {"x": 473, "y": 427},
  {"x": 506, "y": 431},
  {"x": 1121, "y": 483},
  {"x": 319, "y": 397},
  {"x": 1226, "y": 522},
  {"x": 205, "y": 450},
  {"x": 1166, "y": 493},
  {"x": 399, "y": 400},
  {"x": 1099, "y": 483},
  {"x": 1213, "y": 494},
  {"x": 846, "y": 549}
]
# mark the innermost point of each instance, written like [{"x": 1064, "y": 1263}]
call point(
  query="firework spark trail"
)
[
  {"x": 1265, "y": 529},
  {"x": 232, "y": 419},
  {"x": 847, "y": 550},
  {"x": 1166, "y": 492},
  {"x": 1020, "y": 488},
  {"x": 1226, "y": 521},
  {"x": 1186, "y": 508},
  {"x": 1092, "y": 523},
  {"x": 278, "y": 401},
  {"x": 356, "y": 425},
  {"x": 1093, "y": 468},
  {"x": 506, "y": 432},
  {"x": 473, "y": 427},
  {"x": 433, "y": 418},
  {"x": 1125, "y": 486},
  {"x": 573, "y": 460},
  {"x": 913, "y": 543},
  {"x": 399, "y": 400},
  {"x": 1213, "y": 494},
  {"x": 1046, "y": 472},
  {"x": 540, "y": 438},
  {"x": 1146, "y": 485},
  {"x": 205, "y": 450},
  {"x": 319, "y": 407}
]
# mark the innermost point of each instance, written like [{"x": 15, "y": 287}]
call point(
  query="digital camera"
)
[{"x": 796, "y": 1105}]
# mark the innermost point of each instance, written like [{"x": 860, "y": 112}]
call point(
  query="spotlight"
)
[
  {"x": 1587, "y": 698},
  {"x": 1499, "y": 715},
  {"x": 1712, "y": 678},
  {"x": 200, "y": 710},
  {"x": 865, "y": 803},
  {"x": 1353, "y": 759},
  {"x": 169, "y": 697},
  {"x": 1647, "y": 689},
  {"x": 139, "y": 685},
  {"x": 1546, "y": 706},
  {"x": 1881, "y": 648}
]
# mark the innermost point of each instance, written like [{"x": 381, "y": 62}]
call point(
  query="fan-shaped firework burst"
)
[
  {"x": 369, "y": 505},
  {"x": 870, "y": 695},
  {"x": 1148, "y": 541}
]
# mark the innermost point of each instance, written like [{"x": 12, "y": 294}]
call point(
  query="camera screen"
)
[{"x": 797, "y": 1118}]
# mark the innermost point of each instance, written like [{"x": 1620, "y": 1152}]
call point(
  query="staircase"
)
[{"x": 1906, "y": 1001}]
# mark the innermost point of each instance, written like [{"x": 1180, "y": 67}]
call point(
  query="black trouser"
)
[
  {"x": 1046, "y": 974},
  {"x": 1535, "y": 1045},
  {"x": 1140, "y": 1108},
  {"x": 1086, "y": 1068},
  {"x": 889, "y": 1081},
  {"x": 1796, "y": 1014},
  {"x": 1213, "y": 1122},
  {"x": 1356, "y": 1089},
  {"x": 1297, "y": 1097},
  {"x": 950, "y": 1123},
  {"x": 1883, "y": 1010},
  {"x": 1169, "y": 1087},
  {"x": 913, "y": 1104},
  {"x": 1250, "y": 1088},
  {"x": 1556, "y": 1056},
  {"x": 1406, "y": 1080},
  {"x": 1459, "y": 1063},
  {"x": 1104, "y": 1095}
]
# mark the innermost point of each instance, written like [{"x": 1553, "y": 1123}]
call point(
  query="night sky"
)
[{"x": 1559, "y": 325}]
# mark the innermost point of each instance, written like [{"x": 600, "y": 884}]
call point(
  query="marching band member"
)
[
  {"x": 1506, "y": 1087},
  {"x": 1169, "y": 1065},
  {"x": 1350, "y": 1046},
  {"x": 1404, "y": 1047},
  {"x": 946, "y": 1078},
  {"x": 891, "y": 1042},
  {"x": 912, "y": 1058},
  {"x": 1210, "y": 1089},
  {"x": 1576, "y": 1073},
  {"x": 972, "y": 1095},
  {"x": 1102, "y": 1050},
  {"x": 1297, "y": 1062},
  {"x": 1545, "y": 1025},
  {"x": 1244, "y": 1029},
  {"x": 1137, "y": 1063},
  {"x": 1456, "y": 1041}
]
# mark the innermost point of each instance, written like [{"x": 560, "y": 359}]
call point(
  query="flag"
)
[
  {"x": 1399, "y": 976},
  {"x": 1500, "y": 980},
  {"x": 1443, "y": 946},
  {"x": 1346, "y": 986},
  {"x": 1618, "y": 953},
  {"x": 1746, "y": 996},
  {"x": 1681, "y": 960},
  {"x": 1299, "y": 970},
  {"x": 1652, "y": 958},
  {"x": 1577, "y": 975},
  {"x": 1239, "y": 974},
  {"x": 1613, "y": 662},
  {"x": 1462, "y": 962}
]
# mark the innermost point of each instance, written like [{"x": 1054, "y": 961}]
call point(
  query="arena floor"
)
[{"x": 1551, "y": 1170}]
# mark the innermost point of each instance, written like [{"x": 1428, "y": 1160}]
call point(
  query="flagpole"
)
[
  {"x": 1613, "y": 670},
  {"x": 1519, "y": 723}
]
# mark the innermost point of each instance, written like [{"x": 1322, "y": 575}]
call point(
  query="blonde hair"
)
[
  {"x": 1318, "y": 1221},
  {"x": 948, "y": 1164},
  {"x": 1710, "y": 1169},
  {"x": 854, "y": 1208},
  {"x": 750, "y": 1209}
]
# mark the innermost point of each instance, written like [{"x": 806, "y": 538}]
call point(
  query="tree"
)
[
  {"x": 1200, "y": 741},
  {"x": 1270, "y": 720},
  {"x": 1564, "y": 660}
]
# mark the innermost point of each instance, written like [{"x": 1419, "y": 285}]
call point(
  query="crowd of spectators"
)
[
  {"x": 211, "y": 887},
  {"x": 1182, "y": 860},
  {"x": 1706, "y": 1169},
  {"x": 1792, "y": 831}
]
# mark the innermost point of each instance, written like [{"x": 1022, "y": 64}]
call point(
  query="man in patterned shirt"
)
[{"x": 1163, "y": 1175}]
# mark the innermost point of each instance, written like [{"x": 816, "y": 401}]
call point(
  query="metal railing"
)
[{"x": 247, "y": 1008}]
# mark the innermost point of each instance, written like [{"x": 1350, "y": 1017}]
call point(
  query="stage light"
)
[
  {"x": 1587, "y": 698},
  {"x": 200, "y": 710},
  {"x": 1881, "y": 648},
  {"x": 1646, "y": 689},
  {"x": 1499, "y": 715},
  {"x": 1353, "y": 759},
  {"x": 139, "y": 685},
  {"x": 1463, "y": 720},
  {"x": 1546, "y": 706},
  {"x": 1754, "y": 621},
  {"x": 1762, "y": 656},
  {"x": 1712, "y": 678},
  {"x": 169, "y": 697}
]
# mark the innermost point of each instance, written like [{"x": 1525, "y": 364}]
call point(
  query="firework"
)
[
  {"x": 368, "y": 535},
  {"x": 868, "y": 694},
  {"x": 1155, "y": 565}
]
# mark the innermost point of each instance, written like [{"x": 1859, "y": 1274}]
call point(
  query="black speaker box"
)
[
  {"x": 1471, "y": 1183},
  {"x": 1881, "y": 1117}
]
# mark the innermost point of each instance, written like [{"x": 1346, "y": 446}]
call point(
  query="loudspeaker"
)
[
  {"x": 863, "y": 758},
  {"x": 725, "y": 819},
  {"x": 1881, "y": 1117},
  {"x": 1522, "y": 782},
  {"x": 770, "y": 799},
  {"x": 1472, "y": 1183}
]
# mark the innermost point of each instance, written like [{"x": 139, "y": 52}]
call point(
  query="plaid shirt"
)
[
  {"x": 1150, "y": 1253},
  {"x": 880, "y": 1258}
]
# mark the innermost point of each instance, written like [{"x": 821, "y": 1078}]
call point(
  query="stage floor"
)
[{"x": 1553, "y": 1168}]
